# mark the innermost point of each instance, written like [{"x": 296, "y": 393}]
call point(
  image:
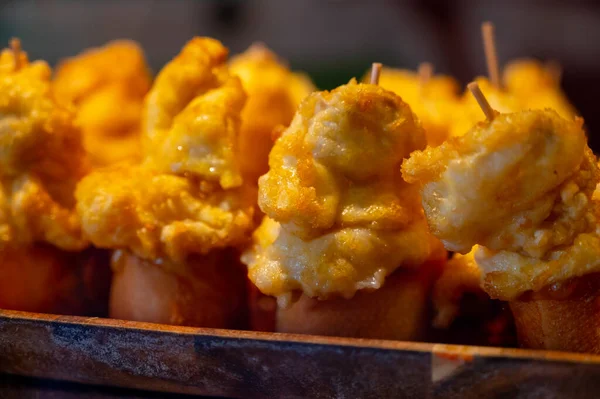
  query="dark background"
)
[{"x": 332, "y": 40}]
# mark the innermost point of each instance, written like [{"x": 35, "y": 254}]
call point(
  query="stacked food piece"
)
[
  {"x": 521, "y": 186},
  {"x": 340, "y": 219},
  {"x": 41, "y": 161},
  {"x": 433, "y": 98},
  {"x": 274, "y": 93},
  {"x": 107, "y": 85},
  {"x": 175, "y": 216}
]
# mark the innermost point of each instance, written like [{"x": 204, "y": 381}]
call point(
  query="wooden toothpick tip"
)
[
  {"x": 425, "y": 72},
  {"x": 15, "y": 46},
  {"x": 555, "y": 70},
  {"x": 258, "y": 47},
  {"x": 482, "y": 101},
  {"x": 491, "y": 56},
  {"x": 375, "y": 72}
]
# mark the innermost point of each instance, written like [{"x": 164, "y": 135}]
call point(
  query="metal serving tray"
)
[{"x": 247, "y": 364}]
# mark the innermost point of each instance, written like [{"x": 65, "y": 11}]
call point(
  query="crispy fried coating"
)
[
  {"x": 202, "y": 140},
  {"x": 10, "y": 62},
  {"x": 522, "y": 188},
  {"x": 36, "y": 133},
  {"x": 340, "y": 217},
  {"x": 41, "y": 158},
  {"x": 537, "y": 87},
  {"x": 194, "y": 71},
  {"x": 186, "y": 196},
  {"x": 475, "y": 185},
  {"x": 37, "y": 216},
  {"x": 461, "y": 275},
  {"x": 434, "y": 102},
  {"x": 274, "y": 93},
  {"x": 119, "y": 61},
  {"x": 528, "y": 76},
  {"x": 107, "y": 85},
  {"x": 355, "y": 134},
  {"x": 192, "y": 115},
  {"x": 337, "y": 263},
  {"x": 157, "y": 215}
]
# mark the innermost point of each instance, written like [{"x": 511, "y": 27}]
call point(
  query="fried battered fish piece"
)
[
  {"x": 340, "y": 217},
  {"x": 538, "y": 87},
  {"x": 119, "y": 61},
  {"x": 11, "y": 59},
  {"x": 521, "y": 187},
  {"x": 434, "y": 102},
  {"x": 157, "y": 215},
  {"x": 274, "y": 93},
  {"x": 202, "y": 140},
  {"x": 192, "y": 116},
  {"x": 107, "y": 85},
  {"x": 41, "y": 157},
  {"x": 187, "y": 195}
]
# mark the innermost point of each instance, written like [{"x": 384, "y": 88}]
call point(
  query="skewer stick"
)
[
  {"x": 491, "y": 56},
  {"x": 15, "y": 46},
  {"x": 425, "y": 72},
  {"x": 482, "y": 101},
  {"x": 375, "y": 72},
  {"x": 260, "y": 52},
  {"x": 555, "y": 70},
  {"x": 258, "y": 45}
]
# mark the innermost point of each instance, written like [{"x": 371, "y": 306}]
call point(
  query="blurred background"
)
[{"x": 332, "y": 40}]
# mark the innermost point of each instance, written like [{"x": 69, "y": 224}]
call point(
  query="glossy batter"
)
[{"x": 340, "y": 218}]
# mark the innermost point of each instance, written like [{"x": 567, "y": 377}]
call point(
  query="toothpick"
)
[
  {"x": 259, "y": 48},
  {"x": 491, "y": 56},
  {"x": 482, "y": 101},
  {"x": 555, "y": 70},
  {"x": 375, "y": 72},
  {"x": 258, "y": 45},
  {"x": 15, "y": 46},
  {"x": 425, "y": 72}
]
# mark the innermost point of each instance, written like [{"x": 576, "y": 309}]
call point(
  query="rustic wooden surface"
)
[
  {"x": 18, "y": 387},
  {"x": 149, "y": 357}
]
